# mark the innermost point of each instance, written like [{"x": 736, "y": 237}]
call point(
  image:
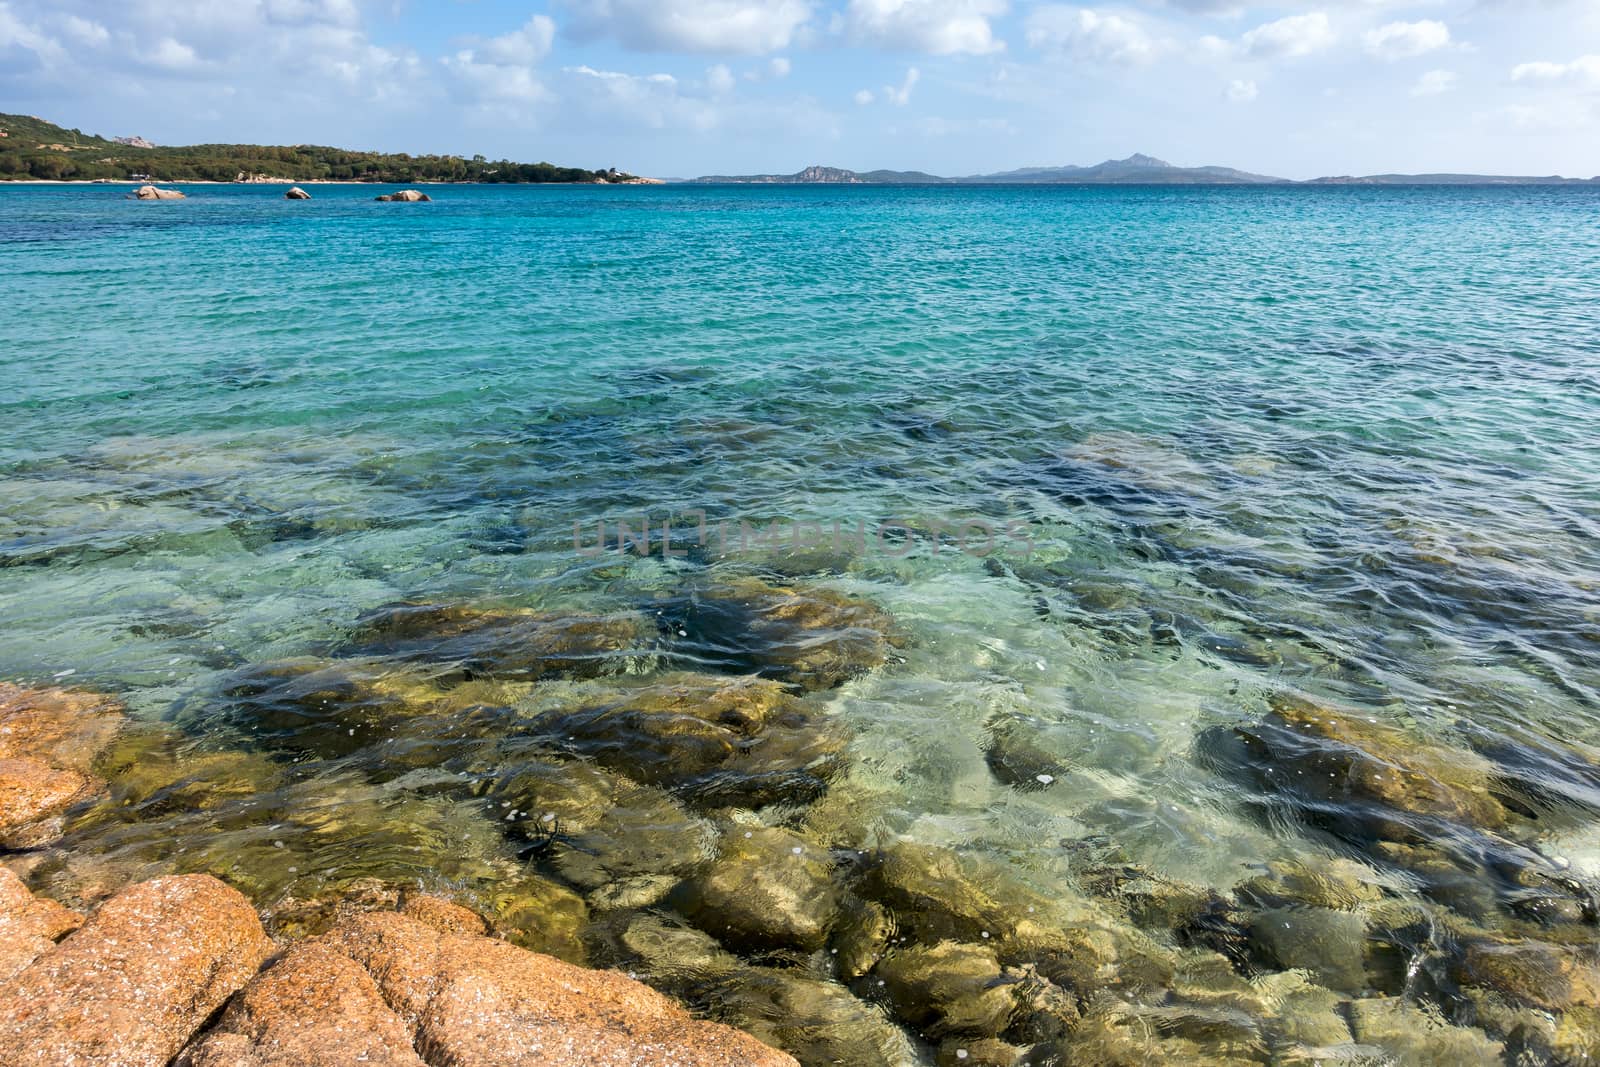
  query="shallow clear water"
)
[{"x": 1341, "y": 440}]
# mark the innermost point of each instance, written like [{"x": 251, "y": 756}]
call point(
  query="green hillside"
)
[{"x": 33, "y": 148}]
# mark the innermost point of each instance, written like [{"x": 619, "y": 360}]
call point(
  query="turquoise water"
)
[{"x": 1338, "y": 440}]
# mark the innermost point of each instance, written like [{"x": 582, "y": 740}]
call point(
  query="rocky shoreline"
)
[{"x": 295, "y": 836}]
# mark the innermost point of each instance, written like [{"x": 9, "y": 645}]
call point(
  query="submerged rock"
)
[
  {"x": 599, "y": 828},
  {"x": 1117, "y": 1034},
  {"x": 812, "y": 637},
  {"x": 820, "y": 1022},
  {"x": 1365, "y": 780},
  {"x": 539, "y": 915},
  {"x": 1413, "y": 1037},
  {"x": 309, "y": 706},
  {"x": 49, "y": 740},
  {"x": 1019, "y": 753},
  {"x": 715, "y": 741},
  {"x": 1326, "y": 882},
  {"x": 767, "y": 888},
  {"x": 140, "y": 976},
  {"x": 934, "y": 894},
  {"x": 504, "y": 644},
  {"x": 1327, "y": 944},
  {"x": 1541, "y": 975},
  {"x": 950, "y": 988}
]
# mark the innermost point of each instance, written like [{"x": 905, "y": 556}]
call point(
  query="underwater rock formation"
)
[
  {"x": 506, "y": 644},
  {"x": 812, "y": 637}
]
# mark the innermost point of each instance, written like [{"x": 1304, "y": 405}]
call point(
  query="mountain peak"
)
[{"x": 1139, "y": 159}]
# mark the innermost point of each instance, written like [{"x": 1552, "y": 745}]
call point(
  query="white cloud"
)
[
  {"x": 901, "y": 96},
  {"x": 522, "y": 47},
  {"x": 734, "y": 27},
  {"x": 1434, "y": 83},
  {"x": 937, "y": 27},
  {"x": 17, "y": 35},
  {"x": 1583, "y": 71},
  {"x": 85, "y": 31},
  {"x": 1290, "y": 38},
  {"x": 1242, "y": 92},
  {"x": 171, "y": 54},
  {"x": 1407, "y": 40},
  {"x": 779, "y": 67},
  {"x": 720, "y": 80},
  {"x": 1090, "y": 35},
  {"x": 864, "y": 97},
  {"x": 654, "y": 101},
  {"x": 500, "y": 70},
  {"x": 294, "y": 49}
]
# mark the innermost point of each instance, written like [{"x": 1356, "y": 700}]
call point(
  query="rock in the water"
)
[
  {"x": 819, "y": 1022},
  {"x": 714, "y": 741},
  {"x": 1540, "y": 975},
  {"x": 404, "y": 196},
  {"x": 49, "y": 739},
  {"x": 767, "y": 888},
  {"x": 151, "y": 192},
  {"x": 141, "y": 976},
  {"x": 933, "y": 892},
  {"x": 1352, "y": 773},
  {"x": 29, "y": 925},
  {"x": 1417, "y": 1038},
  {"x": 601, "y": 828},
  {"x": 1329, "y": 944},
  {"x": 296, "y": 193},
  {"x": 503, "y": 644},
  {"x": 1019, "y": 754},
  {"x": 812, "y": 637},
  {"x": 950, "y": 988},
  {"x": 541, "y": 916}
]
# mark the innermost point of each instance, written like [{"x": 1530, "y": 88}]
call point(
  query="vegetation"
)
[{"x": 33, "y": 148}]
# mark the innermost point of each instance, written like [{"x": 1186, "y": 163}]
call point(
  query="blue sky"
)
[{"x": 688, "y": 87}]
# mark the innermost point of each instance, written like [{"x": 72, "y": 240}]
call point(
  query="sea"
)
[{"x": 1119, "y": 463}]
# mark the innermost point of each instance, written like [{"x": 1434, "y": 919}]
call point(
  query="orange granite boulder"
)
[
  {"x": 29, "y": 925},
  {"x": 49, "y": 739},
  {"x": 425, "y": 987},
  {"x": 136, "y": 980}
]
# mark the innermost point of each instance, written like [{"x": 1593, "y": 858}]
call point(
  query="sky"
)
[{"x": 681, "y": 88}]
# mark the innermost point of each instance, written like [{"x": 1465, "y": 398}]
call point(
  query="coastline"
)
[{"x": 291, "y": 181}]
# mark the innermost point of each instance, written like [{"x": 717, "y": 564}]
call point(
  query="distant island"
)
[
  {"x": 36, "y": 150},
  {"x": 1135, "y": 170}
]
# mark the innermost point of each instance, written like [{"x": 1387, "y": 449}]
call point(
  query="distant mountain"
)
[
  {"x": 1137, "y": 169},
  {"x": 815, "y": 175}
]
